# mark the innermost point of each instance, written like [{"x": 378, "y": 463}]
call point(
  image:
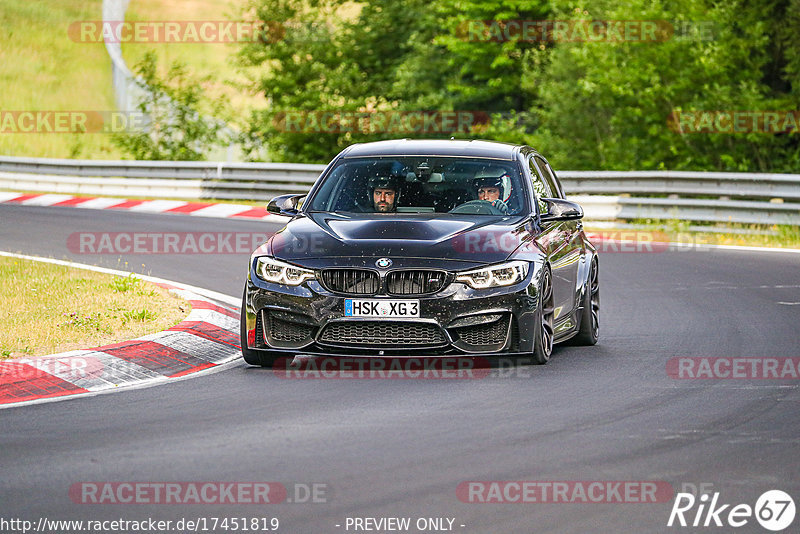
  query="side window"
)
[
  {"x": 540, "y": 186},
  {"x": 548, "y": 177}
]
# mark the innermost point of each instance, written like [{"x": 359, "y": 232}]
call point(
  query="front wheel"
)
[
  {"x": 543, "y": 341},
  {"x": 590, "y": 315}
]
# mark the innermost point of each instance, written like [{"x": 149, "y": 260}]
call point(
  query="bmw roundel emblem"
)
[{"x": 383, "y": 263}]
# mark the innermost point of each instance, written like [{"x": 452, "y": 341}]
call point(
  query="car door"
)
[{"x": 562, "y": 238}]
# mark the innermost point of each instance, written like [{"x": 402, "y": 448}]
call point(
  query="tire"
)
[
  {"x": 543, "y": 340},
  {"x": 590, "y": 315},
  {"x": 252, "y": 357}
]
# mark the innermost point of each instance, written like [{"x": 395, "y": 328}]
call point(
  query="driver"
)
[
  {"x": 384, "y": 191},
  {"x": 489, "y": 187}
]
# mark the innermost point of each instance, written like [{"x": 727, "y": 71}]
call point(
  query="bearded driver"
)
[
  {"x": 489, "y": 188},
  {"x": 385, "y": 192}
]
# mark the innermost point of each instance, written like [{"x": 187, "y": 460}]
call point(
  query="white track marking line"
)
[
  {"x": 100, "y": 203},
  {"x": 221, "y": 210},
  {"x": 46, "y": 200},
  {"x": 6, "y": 196},
  {"x": 157, "y": 206}
]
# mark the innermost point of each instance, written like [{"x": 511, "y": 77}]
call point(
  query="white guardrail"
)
[{"x": 743, "y": 198}]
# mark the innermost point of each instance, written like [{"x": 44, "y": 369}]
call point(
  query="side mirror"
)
[
  {"x": 286, "y": 205},
  {"x": 561, "y": 210}
]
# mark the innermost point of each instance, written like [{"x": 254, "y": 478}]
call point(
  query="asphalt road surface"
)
[{"x": 400, "y": 448}]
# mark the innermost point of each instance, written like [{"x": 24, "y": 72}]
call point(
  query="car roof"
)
[{"x": 433, "y": 147}]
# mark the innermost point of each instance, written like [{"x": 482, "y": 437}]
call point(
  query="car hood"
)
[{"x": 364, "y": 237}]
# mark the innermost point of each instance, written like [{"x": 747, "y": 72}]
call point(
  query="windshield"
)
[{"x": 422, "y": 184}]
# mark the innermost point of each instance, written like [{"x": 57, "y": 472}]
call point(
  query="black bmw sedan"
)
[{"x": 414, "y": 248}]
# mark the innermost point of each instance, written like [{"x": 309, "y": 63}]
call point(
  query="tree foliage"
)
[
  {"x": 381, "y": 57},
  {"x": 587, "y": 105},
  {"x": 173, "y": 129},
  {"x": 607, "y": 106}
]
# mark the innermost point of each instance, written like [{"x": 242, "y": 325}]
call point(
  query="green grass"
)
[
  {"x": 125, "y": 285},
  {"x": 41, "y": 68},
  {"x": 51, "y": 308}
]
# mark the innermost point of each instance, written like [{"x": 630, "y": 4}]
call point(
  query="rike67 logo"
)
[{"x": 774, "y": 510}]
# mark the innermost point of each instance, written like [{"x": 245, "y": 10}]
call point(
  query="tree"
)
[
  {"x": 608, "y": 105},
  {"x": 384, "y": 57},
  {"x": 587, "y": 105},
  {"x": 175, "y": 130}
]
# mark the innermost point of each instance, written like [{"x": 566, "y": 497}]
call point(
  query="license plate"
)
[{"x": 389, "y": 309}]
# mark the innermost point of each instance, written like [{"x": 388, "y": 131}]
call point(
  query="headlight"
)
[
  {"x": 505, "y": 274},
  {"x": 278, "y": 272}
]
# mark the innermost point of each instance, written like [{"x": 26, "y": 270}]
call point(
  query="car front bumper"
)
[{"x": 458, "y": 320}]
